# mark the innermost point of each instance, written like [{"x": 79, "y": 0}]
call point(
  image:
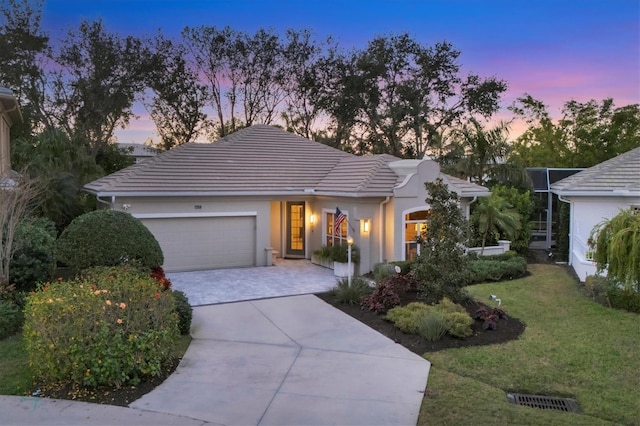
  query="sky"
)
[{"x": 554, "y": 50}]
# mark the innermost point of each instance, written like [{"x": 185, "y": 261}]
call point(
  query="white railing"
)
[{"x": 502, "y": 247}]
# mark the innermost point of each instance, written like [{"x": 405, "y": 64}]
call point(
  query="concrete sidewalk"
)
[{"x": 285, "y": 361}]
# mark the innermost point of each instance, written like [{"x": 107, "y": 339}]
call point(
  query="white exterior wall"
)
[
  {"x": 586, "y": 213},
  {"x": 5, "y": 164}
]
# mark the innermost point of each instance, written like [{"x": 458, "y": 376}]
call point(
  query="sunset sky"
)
[{"x": 555, "y": 50}]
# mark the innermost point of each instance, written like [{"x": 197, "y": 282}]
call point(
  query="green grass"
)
[
  {"x": 572, "y": 347},
  {"x": 14, "y": 369}
]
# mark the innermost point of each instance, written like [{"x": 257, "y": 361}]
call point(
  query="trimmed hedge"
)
[
  {"x": 34, "y": 259},
  {"x": 484, "y": 270},
  {"x": 108, "y": 238}
]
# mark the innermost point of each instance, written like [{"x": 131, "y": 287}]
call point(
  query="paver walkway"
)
[
  {"x": 290, "y": 361},
  {"x": 286, "y": 278}
]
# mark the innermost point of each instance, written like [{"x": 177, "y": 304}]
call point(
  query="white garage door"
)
[{"x": 192, "y": 244}]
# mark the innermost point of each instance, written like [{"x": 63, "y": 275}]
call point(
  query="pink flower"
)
[
  {"x": 108, "y": 302},
  {"x": 119, "y": 321},
  {"x": 122, "y": 305}
]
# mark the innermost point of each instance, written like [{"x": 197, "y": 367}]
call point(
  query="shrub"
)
[
  {"x": 107, "y": 329},
  {"x": 406, "y": 317},
  {"x": 432, "y": 326},
  {"x": 459, "y": 324},
  {"x": 409, "y": 318},
  {"x": 184, "y": 311},
  {"x": 107, "y": 238},
  {"x": 388, "y": 293},
  {"x": 406, "y": 266},
  {"x": 596, "y": 287},
  {"x": 382, "y": 271},
  {"x": 34, "y": 259},
  {"x": 341, "y": 253},
  {"x": 625, "y": 299},
  {"x": 351, "y": 294},
  {"x": 157, "y": 273},
  {"x": 11, "y": 319},
  {"x": 484, "y": 270}
]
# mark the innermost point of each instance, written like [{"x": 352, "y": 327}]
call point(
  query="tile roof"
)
[
  {"x": 257, "y": 160},
  {"x": 617, "y": 176}
]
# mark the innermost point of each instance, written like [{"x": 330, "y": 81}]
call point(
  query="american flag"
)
[{"x": 337, "y": 224}]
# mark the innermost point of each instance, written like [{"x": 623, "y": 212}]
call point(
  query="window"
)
[
  {"x": 415, "y": 224},
  {"x": 332, "y": 238}
]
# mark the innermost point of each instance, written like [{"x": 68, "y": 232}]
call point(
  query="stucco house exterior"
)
[
  {"x": 596, "y": 194},
  {"x": 262, "y": 190},
  {"x": 9, "y": 115}
]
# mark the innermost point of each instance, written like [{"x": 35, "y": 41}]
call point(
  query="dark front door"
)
[{"x": 295, "y": 229}]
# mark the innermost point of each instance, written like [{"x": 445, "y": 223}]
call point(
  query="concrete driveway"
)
[
  {"x": 290, "y": 361},
  {"x": 286, "y": 278}
]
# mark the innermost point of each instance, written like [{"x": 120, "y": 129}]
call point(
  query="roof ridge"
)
[{"x": 378, "y": 161}]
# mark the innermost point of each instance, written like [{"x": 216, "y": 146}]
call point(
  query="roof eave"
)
[
  {"x": 605, "y": 193},
  {"x": 101, "y": 194}
]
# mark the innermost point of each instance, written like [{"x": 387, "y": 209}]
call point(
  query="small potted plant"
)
[{"x": 340, "y": 257}]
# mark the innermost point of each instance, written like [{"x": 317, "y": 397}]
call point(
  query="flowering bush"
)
[{"x": 112, "y": 327}]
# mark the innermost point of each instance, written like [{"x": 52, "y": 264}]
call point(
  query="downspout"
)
[
  {"x": 381, "y": 228},
  {"x": 570, "y": 253},
  {"x": 111, "y": 203}
]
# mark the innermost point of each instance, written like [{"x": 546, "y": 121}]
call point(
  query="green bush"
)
[
  {"x": 184, "y": 310},
  {"x": 34, "y": 258},
  {"x": 382, "y": 271},
  {"x": 625, "y": 299},
  {"x": 459, "y": 324},
  {"x": 409, "y": 318},
  {"x": 484, "y": 270},
  {"x": 107, "y": 329},
  {"x": 11, "y": 319},
  {"x": 351, "y": 294},
  {"x": 341, "y": 253},
  {"x": 107, "y": 238},
  {"x": 432, "y": 326}
]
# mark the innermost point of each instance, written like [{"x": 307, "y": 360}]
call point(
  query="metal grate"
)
[{"x": 544, "y": 402}]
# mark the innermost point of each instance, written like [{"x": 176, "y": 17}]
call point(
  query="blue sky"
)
[{"x": 555, "y": 50}]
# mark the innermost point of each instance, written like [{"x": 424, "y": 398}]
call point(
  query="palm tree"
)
[
  {"x": 495, "y": 214},
  {"x": 485, "y": 154}
]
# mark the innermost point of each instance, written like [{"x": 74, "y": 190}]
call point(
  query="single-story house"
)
[
  {"x": 262, "y": 190},
  {"x": 9, "y": 115},
  {"x": 596, "y": 194}
]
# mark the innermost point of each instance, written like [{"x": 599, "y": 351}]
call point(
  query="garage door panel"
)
[{"x": 191, "y": 244}]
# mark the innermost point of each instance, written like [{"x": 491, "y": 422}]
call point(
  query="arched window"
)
[{"x": 415, "y": 223}]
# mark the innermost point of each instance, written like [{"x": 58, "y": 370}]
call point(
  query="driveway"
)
[
  {"x": 290, "y": 361},
  {"x": 286, "y": 278}
]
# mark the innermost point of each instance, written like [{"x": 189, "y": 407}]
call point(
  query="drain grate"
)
[{"x": 544, "y": 402}]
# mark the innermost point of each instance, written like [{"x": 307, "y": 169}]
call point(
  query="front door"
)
[{"x": 295, "y": 229}]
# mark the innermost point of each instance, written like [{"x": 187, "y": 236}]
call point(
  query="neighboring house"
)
[
  {"x": 232, "y": 202},
  {"x": 9, "y": 115},
  {"x": 138, "y": 151},
  {"x": 596, "y": 194}
]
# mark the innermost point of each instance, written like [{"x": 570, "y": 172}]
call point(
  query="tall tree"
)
[
  {"x": 301, "y": 60},
  {"x": 178, "y": 98},
  {"x": 587, "y": 134},
  {"x": 99, "y": 79},
  {"x": 405, "y": 94},
  {"x": 22, "y": 47}
]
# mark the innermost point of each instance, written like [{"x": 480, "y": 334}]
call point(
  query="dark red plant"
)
[{"x": 157, "y": 274}]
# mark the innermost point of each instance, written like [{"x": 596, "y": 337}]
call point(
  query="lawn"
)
[{"x": 572, "y": 347}]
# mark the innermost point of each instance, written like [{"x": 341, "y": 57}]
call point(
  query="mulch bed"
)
[{"x": 508, "y": 329}]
